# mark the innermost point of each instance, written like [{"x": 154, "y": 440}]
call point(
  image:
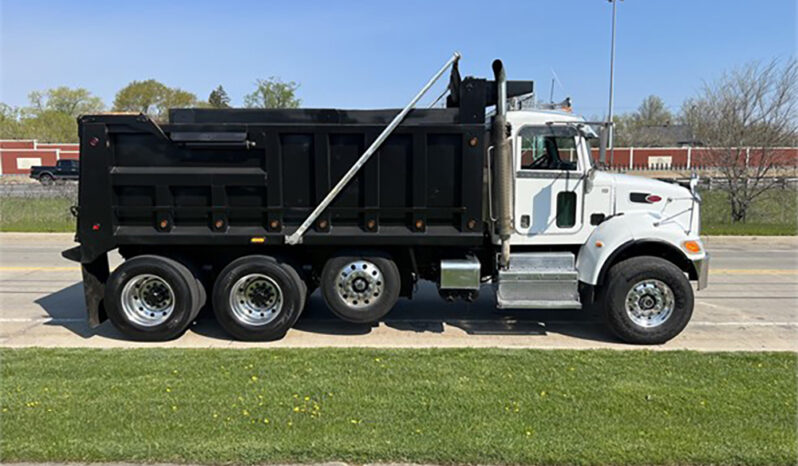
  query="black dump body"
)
[{"x": 242, "y": 176}]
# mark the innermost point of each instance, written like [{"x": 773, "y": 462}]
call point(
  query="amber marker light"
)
[
  {"x": 692, "y": 246},
  {"x": 257, "y": 239},
  {"x": 599, "y": 244}
]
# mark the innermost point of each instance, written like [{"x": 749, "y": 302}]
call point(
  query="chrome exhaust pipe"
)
[{"x": 503, "y": 166}]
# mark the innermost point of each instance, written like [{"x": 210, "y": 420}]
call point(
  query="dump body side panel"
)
[{"x": 258, "y": 174}]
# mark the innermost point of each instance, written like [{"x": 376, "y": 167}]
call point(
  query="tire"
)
[
  {"x": 342, "y": 278},
  {"x": 273, "y": 296},
  {"x": 636, "y": 300},
  {"x": 46, "y": 179},
  {"x": 132, "y": 293}
]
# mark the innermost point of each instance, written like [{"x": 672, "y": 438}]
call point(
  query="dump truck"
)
[{"x": 248, "y": 211}]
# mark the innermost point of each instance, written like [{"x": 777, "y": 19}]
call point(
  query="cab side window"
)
[{"x": 547, "y": 152}]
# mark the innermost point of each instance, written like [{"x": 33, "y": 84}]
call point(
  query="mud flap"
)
[{"x": 95, "y": 275}]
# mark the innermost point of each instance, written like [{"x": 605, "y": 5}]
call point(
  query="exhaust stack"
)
[{"x": 503, "y": 166}]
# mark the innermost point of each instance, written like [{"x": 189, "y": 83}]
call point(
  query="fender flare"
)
[
  {"x": 643, "y": 245},
  {"x": 627, "y": 236}
]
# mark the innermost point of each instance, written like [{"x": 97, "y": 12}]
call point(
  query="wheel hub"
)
[
  {"x": 649, "y": 303},
  {"x": 360, "y": 283},
  {"x": 256, "y": 299},
  {"x": 147, "y": 300}
]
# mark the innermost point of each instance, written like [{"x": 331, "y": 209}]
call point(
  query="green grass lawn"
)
[
  {"x": 774, "y": 213},
  {"x": 363, "y": 405},
  {"x": 30, "y": 214}
]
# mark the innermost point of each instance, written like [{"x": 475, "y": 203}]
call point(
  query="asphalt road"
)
[{"x": 751, "y": 304}]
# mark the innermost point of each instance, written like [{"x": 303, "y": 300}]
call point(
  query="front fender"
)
[{"x": 618, "y": 233}]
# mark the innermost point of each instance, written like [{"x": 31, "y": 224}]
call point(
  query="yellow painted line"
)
[
  {"x": 752, "y": 272},
  {"x": 39, "y": 269}
]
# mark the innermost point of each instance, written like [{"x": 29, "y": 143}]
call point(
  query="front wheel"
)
[{"x": 647, "y": 300}]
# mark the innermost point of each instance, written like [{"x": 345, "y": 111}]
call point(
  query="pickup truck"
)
[{"x": 63, "y": 170}]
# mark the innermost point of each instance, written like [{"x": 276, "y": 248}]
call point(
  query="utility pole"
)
[{"x": 611, "y": 133}]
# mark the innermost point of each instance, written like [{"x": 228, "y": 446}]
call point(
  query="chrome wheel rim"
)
[
  {"x": 650, "y": 303},
  {"x": 256, "y": 299},
  {"x": 147, "y": 300},
  {"x": 360, "y": 284}
]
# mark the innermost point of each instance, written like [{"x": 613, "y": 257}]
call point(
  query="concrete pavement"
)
[{"x": 751, "y": 304}]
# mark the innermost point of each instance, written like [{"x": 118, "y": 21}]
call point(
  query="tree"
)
[
  {"x": 273, "y": 93},
  {"x": 10, "y": 127},
  {"x": 50, "y": 126},
  {"x": 742, "y": 117},
  {"x": 43, "y": 125},
  {"x": 152, "y": 98},
  {"x": 639, "y": 128},
  {"x": 219, "y": 98},
  {"x": 73, "y": 102},
  {"x": 652, "y": 111}
]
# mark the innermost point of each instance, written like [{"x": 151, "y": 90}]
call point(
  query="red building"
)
[{"x": 17, "y": 156}]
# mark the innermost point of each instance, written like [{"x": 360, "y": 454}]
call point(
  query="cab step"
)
[{"x": 539, "y": 280}]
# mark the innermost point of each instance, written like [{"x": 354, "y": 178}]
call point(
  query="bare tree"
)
[{"x": 742, "y": 117}]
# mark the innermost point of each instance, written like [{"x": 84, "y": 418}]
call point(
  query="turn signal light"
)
[{"x": 692, "y": 246}]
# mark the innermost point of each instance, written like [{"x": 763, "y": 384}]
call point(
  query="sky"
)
[{"x": 377, "y": 54}]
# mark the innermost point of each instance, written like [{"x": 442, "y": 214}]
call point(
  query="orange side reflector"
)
[
  {"x": 692, "y": 246},
  {"x": 257, "y": 239}
]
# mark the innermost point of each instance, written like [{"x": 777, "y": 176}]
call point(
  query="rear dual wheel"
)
[
  {"x": 258, "y": 298},
  {"x": 152, "y": 298}
]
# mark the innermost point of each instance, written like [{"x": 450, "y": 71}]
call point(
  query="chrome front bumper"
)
[{"x": 702, "y": 268}]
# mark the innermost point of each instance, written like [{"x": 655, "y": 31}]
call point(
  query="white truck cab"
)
[{"x": 576, "y": 227}]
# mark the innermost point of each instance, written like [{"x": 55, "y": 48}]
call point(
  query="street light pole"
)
[{"x": 611, "y": 133}]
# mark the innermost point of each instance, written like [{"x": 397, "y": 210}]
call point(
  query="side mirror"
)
[
  {"x": 603, "y": 135},
  {"x": 694, "y": 187}
]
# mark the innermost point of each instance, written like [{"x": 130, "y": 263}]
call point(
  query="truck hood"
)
[
  {"x": 629, "y": 184},
  {"x": 675, "y": 205}
]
